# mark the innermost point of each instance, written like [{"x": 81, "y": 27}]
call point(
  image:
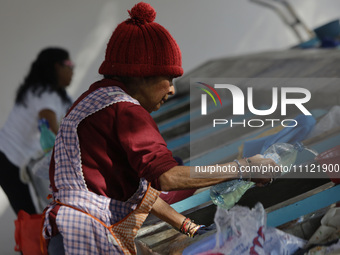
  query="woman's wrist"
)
[
  {"x": 239, "y": 169},
  {"x": 248, "y": 167},
  {"x": 189, "y": 228},
  {"x": 243, "y": 169}
]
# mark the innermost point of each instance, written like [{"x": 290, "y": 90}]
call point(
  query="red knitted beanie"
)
[{"x": 140, "y": 47}]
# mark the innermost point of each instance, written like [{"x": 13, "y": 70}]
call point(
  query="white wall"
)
[{"x": 203, "y": 29}]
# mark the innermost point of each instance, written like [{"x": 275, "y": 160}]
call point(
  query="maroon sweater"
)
[{"x": 119, "y": 145}]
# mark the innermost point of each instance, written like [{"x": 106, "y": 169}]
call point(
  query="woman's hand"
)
[{"x": 260, "y": 170}]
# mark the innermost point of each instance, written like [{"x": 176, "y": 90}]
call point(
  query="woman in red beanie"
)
[{"x": 110, "y": 160}]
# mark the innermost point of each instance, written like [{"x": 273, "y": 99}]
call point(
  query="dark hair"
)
[{"x": 42, "y": 75}]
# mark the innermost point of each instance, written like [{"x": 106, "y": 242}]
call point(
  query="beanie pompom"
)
[
  {"x": 140, "y": 47},
  {"x": 143, "y": 12}
]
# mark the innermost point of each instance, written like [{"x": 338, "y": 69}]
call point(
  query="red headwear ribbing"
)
[{"x": 140, "y": 47}]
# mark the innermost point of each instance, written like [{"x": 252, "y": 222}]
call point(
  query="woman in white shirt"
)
[{"x": 42, "y": 95}]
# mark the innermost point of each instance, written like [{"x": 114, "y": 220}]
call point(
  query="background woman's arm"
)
[{"x": 51, "y": 117}]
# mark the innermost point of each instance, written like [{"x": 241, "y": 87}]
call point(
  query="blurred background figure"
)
[{"x": 42, "y": 95}]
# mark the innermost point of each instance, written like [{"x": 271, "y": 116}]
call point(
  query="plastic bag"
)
[
  {"x": 329, "y": 229},
  {"x": 41, "y": 166},
  {"x": 28, "y": 232},
  {"x": 280, "y": 243},
  {"x": 38, "y": 170},
  {"x": 329, "y": 121},
  {"x": 227, "y": 194},
  {"x": 242, "y": 231}
]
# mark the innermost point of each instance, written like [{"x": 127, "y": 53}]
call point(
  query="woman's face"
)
[
  {"x": 64, "y": 73},
  {"x": 153, "y": 92}
]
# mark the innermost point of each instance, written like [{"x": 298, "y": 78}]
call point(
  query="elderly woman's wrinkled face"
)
[{"x": 154, "y": 92}]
